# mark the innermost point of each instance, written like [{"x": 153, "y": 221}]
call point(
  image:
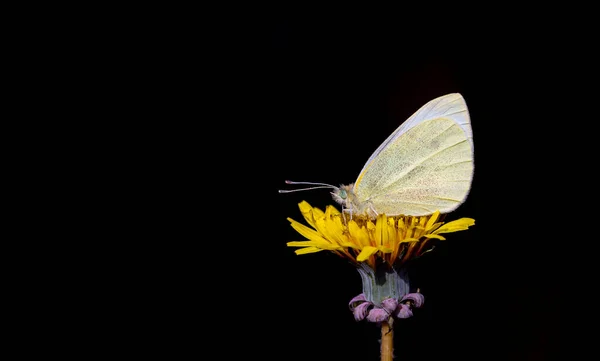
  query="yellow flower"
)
[{"x": 395, "y": 240}]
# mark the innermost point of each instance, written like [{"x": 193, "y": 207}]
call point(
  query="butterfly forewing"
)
[{"x": 425, "y": 165}]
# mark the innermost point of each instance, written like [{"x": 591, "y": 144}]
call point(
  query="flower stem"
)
[{"x": 387, "y": 342}]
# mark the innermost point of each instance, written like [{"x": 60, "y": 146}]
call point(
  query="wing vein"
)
[{"x": 383, "y": 190}]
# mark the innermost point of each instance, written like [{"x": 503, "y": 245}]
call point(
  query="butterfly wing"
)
[{"x": 425, "y": 165}]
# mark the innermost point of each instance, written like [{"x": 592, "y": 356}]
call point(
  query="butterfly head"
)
[{"x": 344, "y": 195}]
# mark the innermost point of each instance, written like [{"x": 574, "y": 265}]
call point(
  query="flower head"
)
[
  {"x": 391, "y": 240},
  {"x": 380, "y": 249}
]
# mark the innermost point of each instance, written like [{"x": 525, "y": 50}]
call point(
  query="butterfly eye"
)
[{"x": 342, "y": 194}]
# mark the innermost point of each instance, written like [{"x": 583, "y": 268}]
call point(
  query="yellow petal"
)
[
  {"x": 434, "y": 227},
  {"x": 436, "y": 236},
  {"x": 311, "y": 214},
  {"x": 358, "y": 234},
  {"x": 304, "y": 206},
  {"x": 392, "y": 233},
  {"x": 317, "y": 213},
  {"x": 322, "y": 245},
  {"x": 333, "y": 211},
  {"x": 370, "y": 226},
  {"x": 366, "y": 253},
  {"x": 336, "y": 230},
  {"x": 328, "y": 211},
  {"x": 385, "y": 249},
  {"x": 306, "y": 232},
  {"x": 381, "y": 234},
  {"x": 307, "y": 250},
  {"x": 306, "y": 210},
  {"x": 422, "y": 221},
  {"x": 321, "y": 227},
  {"x": 454, "y": 226},
  {"x": 401, "y": 226},
  {"x": 328, "y": 229},
  {"x": 340, "y": 229},
  {"x": 432, "y": 220},
  {"x": 348, "y": 244}
]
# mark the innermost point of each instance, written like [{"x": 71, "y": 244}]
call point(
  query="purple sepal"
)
[
  {"x": 361, "y": 308},
  {"x": 403, "y": 311},
  {"x": 417, "y": 299},
  {"x": 389, "y": 304},
  {"x": 360, "y": 311},
  {"x": 378, "y": 315},
  {"x": 356, "y": 300}
]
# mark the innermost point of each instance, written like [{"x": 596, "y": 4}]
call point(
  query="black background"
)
[
  {"x": 250, "y": 103},
  {"x": 337, "y": 94},
  {"x": 172, "y": 130}
]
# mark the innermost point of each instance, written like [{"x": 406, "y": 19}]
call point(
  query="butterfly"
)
[{"x": 425, "y": 165}]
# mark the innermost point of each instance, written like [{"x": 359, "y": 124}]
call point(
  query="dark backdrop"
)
[
  {"x": 249, "y": 102},
  {"x": 330, "y": 92}
]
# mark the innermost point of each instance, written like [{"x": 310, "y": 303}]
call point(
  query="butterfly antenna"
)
[{"x": 316, "y": 186}]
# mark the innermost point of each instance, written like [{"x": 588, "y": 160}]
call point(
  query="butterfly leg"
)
[
  {"x": 345, "y": 213},
  {"x": 373, "y": 209},
  {"x": 347, "y": 210}
]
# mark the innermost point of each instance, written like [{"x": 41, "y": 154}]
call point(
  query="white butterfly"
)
[{"x": 425, "y": 165}]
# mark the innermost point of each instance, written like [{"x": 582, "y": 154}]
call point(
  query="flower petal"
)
[
  {"x": 319, "y": 244},
  {"x": 359, "y": 234},
  {"x": 403, "y": 311},
  {"x": 322, "y": 228},
  {"x": 408, "y": 240},
  {"x": 417, "y": 298},
  {"x": 370, "y": 226},
  {"x": 305, "y": 231},
  {"x": 392, "y": 233},
  {"x": 384, "y": 249},
  {"x": 306, "y": 210},
  {"x": 381, "y": 233},
  {"x": 317, "y": 213},
  {"x": 332, "y": 210},
  {"x": 389, "y": 304},
  {"x": 360, "y": 312},
  {"x": 378, "y": 315},
  {"x": 436, "y": 236},
  {"x": 366, "y": 253},
  {"x": 356, "y": 301},
  {"x": 335, "y": 228},
  {"x": 431, "y": 222},
  {"x": 457, "y": 225},
  {"x": 308, "y": 250}
]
